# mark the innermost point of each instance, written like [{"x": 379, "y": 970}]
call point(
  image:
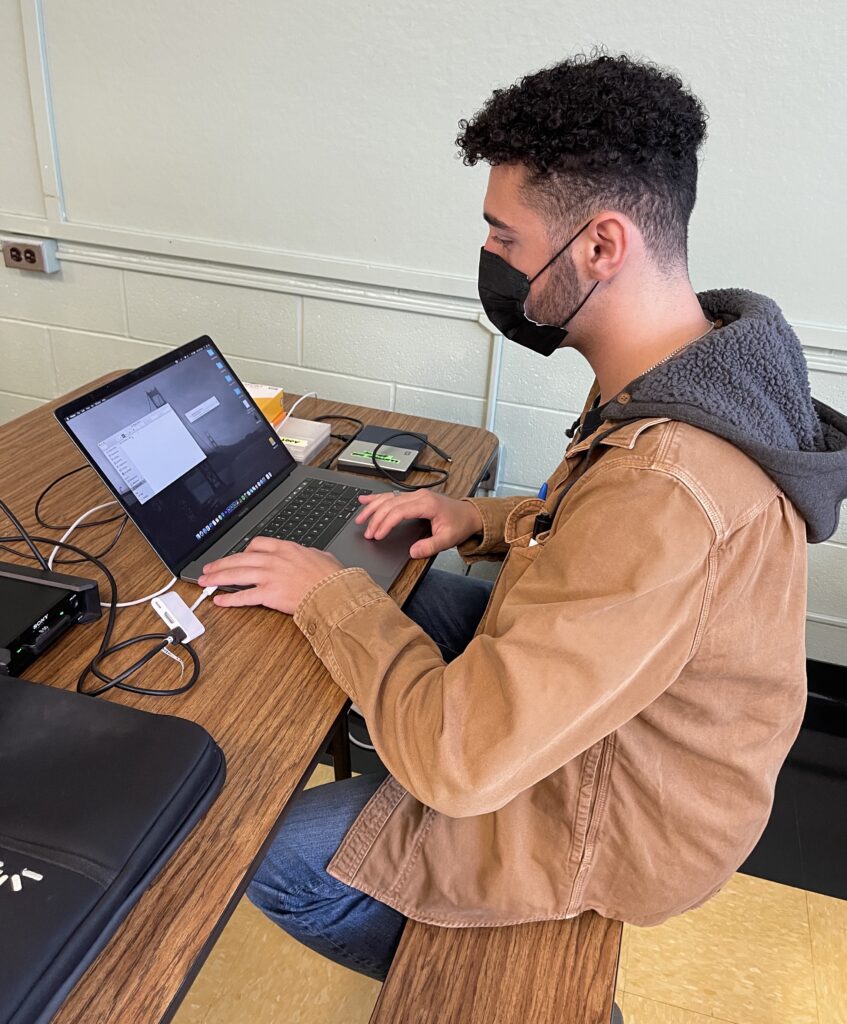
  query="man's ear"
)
[{"x": 608, "y": 242}]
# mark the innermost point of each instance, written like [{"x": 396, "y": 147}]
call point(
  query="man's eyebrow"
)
[{"x": 495, "y": 222}]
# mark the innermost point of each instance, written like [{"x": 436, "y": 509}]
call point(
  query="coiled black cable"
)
[
  {"x": 106, "y": 649},
  {"x": 419, "y": 468}
]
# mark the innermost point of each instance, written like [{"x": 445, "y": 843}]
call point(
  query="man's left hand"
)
[{"x": 278, "y": 573}]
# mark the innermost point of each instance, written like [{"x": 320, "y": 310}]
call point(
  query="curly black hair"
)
[{"x": 599, "y": 131}]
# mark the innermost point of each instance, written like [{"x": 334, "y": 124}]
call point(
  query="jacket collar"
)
[{"x": 624, "y": 437}]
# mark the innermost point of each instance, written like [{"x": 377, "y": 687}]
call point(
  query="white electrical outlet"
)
[{"x": 30, "y": 254}]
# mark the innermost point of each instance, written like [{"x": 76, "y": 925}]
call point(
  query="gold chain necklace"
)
[{"x": 670, "y": 355}]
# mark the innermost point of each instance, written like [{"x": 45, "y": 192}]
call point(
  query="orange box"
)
[{"x": 270, "y": 399}]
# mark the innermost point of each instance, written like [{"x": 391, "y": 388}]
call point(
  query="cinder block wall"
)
[
  {"x": 59, "y": 332},
  {"x": 283, "y": 178}
]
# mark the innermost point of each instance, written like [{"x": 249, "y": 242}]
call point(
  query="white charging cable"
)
[
  {"x": 74, "y": 525},
  {"x": 309, "y": 394},
  {"x": 357, "y": 743},
  {"x": 206, "y": 593},
  {"x": 105, "y": 604},
  {"x": 143, "y": 600}
]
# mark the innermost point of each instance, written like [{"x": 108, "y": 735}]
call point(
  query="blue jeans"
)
[{"x": 292, "y": 886}]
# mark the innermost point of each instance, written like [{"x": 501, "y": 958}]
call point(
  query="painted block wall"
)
[
  {"x": 390, "y": 358},
  {"x": 295, "y": 194}
]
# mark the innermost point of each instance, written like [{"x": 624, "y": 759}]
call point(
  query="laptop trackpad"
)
[{"x": 384, "y": 558}]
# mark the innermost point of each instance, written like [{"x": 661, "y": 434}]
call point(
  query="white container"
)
[{"x": 303, "y": 438}]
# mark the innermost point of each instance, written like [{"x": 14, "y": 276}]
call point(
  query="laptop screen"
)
[{"x": 183, "y": 447}]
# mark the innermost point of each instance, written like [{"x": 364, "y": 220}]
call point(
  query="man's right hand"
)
[{"x": 452, "y": 521}]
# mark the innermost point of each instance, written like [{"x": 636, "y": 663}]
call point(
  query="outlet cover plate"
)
[{"x": 38, "y": 254}]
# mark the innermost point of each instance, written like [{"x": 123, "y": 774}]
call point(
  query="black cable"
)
[
  {"x": 327, "y": 464},
  {"x": 175, "y": 636},
  {"x": 122, "y": 516},
  {"x": 445, "y": 475},
  {"x": 100, "y": 554},
  {"x": 75, "y": 561},
  {"x": 67, "y": 526},
  {"x": 348, "y": 438},
  {"x": 24, "y": 536},
  {"x": 105, "y": 649},
  {"x": 339, "y": 416}
]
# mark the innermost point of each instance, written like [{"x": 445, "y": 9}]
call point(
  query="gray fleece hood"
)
[{"x": 748, "y": 383}]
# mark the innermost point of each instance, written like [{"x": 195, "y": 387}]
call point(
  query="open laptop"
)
[{"x": 200, "y": 471}]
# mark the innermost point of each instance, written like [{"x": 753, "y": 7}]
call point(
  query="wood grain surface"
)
[
  {"x": 547, "y": 972},
  {"x": 263, "y": 695}
]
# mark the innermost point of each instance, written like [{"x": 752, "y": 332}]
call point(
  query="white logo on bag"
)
[{"x": 17, "y": 884}]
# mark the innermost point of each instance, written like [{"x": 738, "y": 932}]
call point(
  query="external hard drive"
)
[{"x": 397, "y": 457}]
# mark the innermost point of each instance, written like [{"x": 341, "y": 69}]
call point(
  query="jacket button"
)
[
  {"x": 624, "y": 397},
  {"x": 310, "y": 628}
]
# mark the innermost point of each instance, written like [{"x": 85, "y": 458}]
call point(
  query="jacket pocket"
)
[
  {"x": 519, "y": 558},
  {"x": 596, "y": 805},
  {"x": 522, "y": 553},
  {"x": 520, "y": 520}
]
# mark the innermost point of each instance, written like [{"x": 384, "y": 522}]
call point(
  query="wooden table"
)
[{"x": 263, "y": 695}]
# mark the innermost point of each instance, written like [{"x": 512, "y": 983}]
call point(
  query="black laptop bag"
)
[{"x": 94, "y": 799}]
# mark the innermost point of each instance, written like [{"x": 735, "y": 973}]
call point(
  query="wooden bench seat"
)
[{"x": 548, "y": 971}]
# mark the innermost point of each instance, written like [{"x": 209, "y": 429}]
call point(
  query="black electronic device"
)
[{"x": 36, "y": 608}]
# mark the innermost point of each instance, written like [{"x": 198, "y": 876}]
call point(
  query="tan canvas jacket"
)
[{"x": 611, "y": 737}]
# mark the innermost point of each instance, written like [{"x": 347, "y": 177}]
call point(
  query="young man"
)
[{"x": 604, "y": 728}]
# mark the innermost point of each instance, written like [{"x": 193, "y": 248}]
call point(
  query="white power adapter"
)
[
  {"x": 176, "y": 614},
  {"x": 303, "y": 438}
]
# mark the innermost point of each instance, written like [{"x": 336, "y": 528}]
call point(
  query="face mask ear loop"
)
[
  {"x": 579, "y": 307},
  {"x": 559, "y": 253}
]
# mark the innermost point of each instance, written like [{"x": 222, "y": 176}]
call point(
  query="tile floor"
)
[
  {"x": 256, "y": 974},
  {"x": 758, "y": 953}
]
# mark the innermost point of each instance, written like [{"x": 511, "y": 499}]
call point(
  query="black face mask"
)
[{"x": 503, "y": 291}]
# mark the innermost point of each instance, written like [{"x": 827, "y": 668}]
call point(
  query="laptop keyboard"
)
[{"x": 313, "y": 514}]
